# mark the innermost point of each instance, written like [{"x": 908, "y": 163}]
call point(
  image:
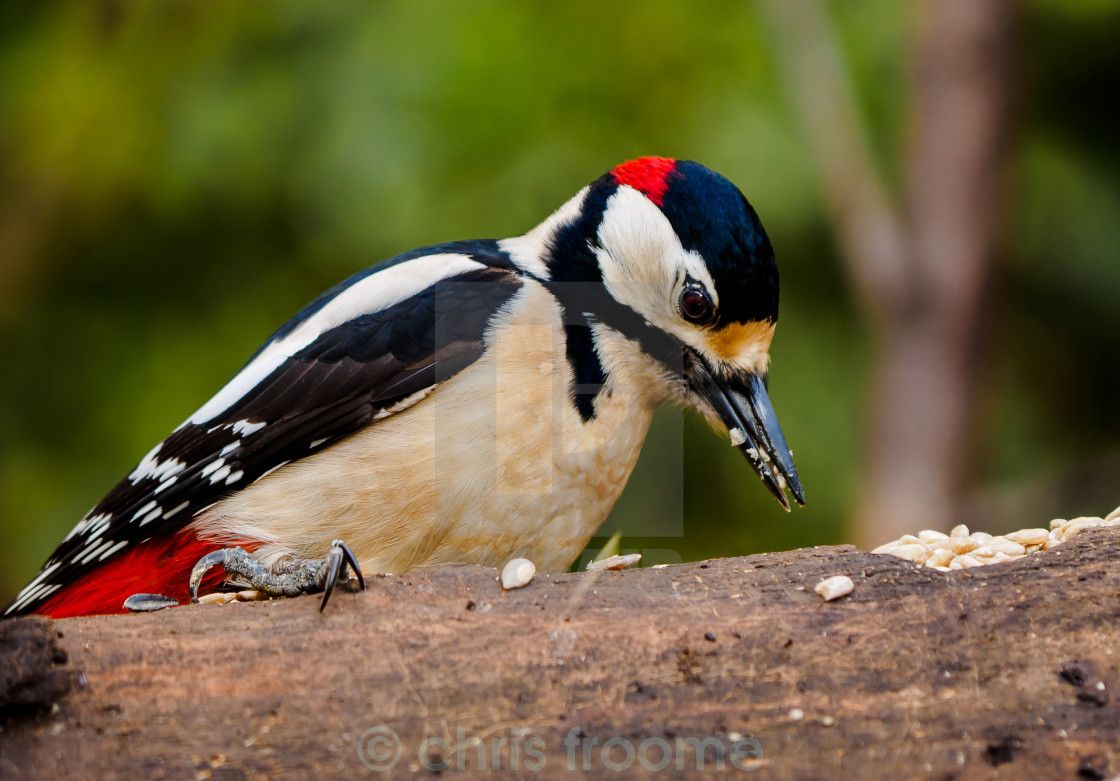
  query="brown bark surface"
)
[{"x": 1002, "y": 671}]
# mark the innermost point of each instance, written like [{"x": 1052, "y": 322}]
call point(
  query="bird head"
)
[{"x": 670, "y": 257}]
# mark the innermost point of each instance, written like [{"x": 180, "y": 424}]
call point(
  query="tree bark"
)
[{"x": 1007, "y": 670}]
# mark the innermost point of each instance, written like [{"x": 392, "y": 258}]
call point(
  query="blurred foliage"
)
[{"x": 178, "y": 178}]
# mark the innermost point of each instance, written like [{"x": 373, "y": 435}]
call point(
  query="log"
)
[{"x": 1007, "y": 670}]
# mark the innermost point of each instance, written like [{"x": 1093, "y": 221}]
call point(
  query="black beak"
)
[{"x": 741, "y": 402}]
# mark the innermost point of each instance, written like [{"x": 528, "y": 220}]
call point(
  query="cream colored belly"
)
[{"x": 495, "y": 463}]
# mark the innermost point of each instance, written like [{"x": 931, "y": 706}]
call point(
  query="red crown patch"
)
[{"x": 647, "y": 175}]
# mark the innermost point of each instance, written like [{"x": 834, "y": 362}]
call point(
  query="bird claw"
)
[
  {"x": 204, "y": 565},
  {"x": 291, "y": 578},
  {"x": 339, "y": 557}
]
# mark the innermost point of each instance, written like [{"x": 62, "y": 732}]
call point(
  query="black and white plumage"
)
[{"x": 469, "y": 401}]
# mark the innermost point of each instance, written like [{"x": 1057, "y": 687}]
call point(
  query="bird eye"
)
[{"x": 695, "y": 306}]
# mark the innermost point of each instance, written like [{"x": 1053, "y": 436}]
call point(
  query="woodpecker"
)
[{"x": 472, "y": 401}]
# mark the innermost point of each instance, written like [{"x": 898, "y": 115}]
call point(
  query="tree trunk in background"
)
[
  {"x": 924, "y": 392},
  {"x": 921, "y": 271}
]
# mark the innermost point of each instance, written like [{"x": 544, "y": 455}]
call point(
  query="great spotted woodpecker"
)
[{"x": 467, "y": 402}]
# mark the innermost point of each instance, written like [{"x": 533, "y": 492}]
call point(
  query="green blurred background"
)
[{"x": 178, "y": 178}]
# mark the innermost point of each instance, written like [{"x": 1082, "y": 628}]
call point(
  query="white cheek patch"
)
[
  {"x": 644, "y": 264},
  {"x": 374, "y": 293},
  {"x": 636, "y": 239}
]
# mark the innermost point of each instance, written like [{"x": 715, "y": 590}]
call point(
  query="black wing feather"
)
[{"x": 324, "y": 392}]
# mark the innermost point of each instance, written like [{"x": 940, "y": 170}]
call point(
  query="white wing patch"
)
[
  {"x": 529, "y": 251},
  {"x": 87, "y": 523},
  {"x": 97, "y": 529},
  {"x": 93, "y": 550},
  {"x": 31, "y": 593},
  {"x": 112, "y": 550},
  {"x": 151, "y": 466},
  {"x": 34, "y": 585},
  {"x": 177, "y": 509},
  {"x": 143, "y": 510},
  {"x": 246, "y": 427},
  {"x": 374, "y": 293}
]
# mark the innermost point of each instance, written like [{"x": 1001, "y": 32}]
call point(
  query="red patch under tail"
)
[{"x": 162, "y": 565}]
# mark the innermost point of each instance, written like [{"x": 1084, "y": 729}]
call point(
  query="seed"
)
[
  {"x": 1078, "y": 525},
  {"x": 1029, "y": 536},
  {"x": 615, "y": 562},
  {"x": 1010, "y": 547},
  {"x": 217, "y": 598},
  {"x": 251, "y": 595},
  {"x": 957, "y": 545},
  {"x": 517, "y": 573},
  {"x": 835, "y": 587},
  {"x": 966, "y": 545},
  {"x": 999, "y": 546},
  {"x": 913, "y": 552},
  {"x": 1091, "y": 519},
  {"x": 940, "y": 558},
  {"x": 965, "y": 560},
  {"x": 962, "y": 549},
  {"x": 147, "y": 603}
]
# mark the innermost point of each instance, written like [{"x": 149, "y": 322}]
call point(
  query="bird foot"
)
[{"x": 289, "y": 578}]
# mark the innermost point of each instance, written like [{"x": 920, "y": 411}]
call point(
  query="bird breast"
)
[{"x": 496, "y": 462}]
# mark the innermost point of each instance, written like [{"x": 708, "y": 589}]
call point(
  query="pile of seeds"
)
[{"x": 960, "y": 549}]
